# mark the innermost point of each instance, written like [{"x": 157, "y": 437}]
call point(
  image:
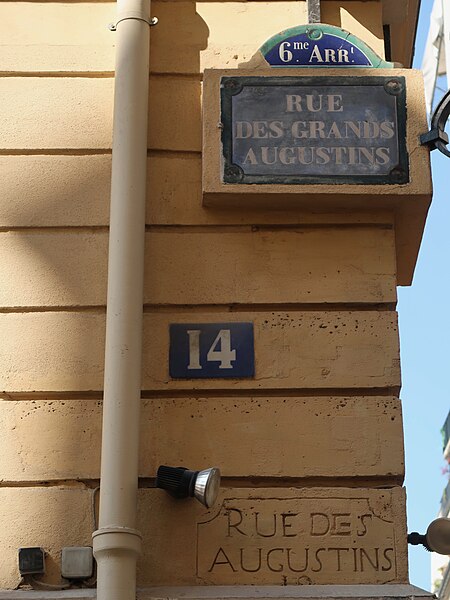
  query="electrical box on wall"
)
[
  {"x": 77, "y": 562},
  {"x": 31, "y": 561}
]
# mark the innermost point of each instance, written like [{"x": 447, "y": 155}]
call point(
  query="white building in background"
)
[
  {"x": 435, "y": 60},
  {"x": 440, "y": 565},
  {"x": 437, "y": 50}
]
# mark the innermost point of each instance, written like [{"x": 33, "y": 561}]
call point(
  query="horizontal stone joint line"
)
[
  {"x": 210, "y": 308},
  {"x": 54, "y": 151},
  {"x": 274, "y": 226},
  {"x": 60, "y": 74},
  {"x": 299, "y": 228},
  {"x": 71, "y": 74},
  {"x": 95, "y": 308},
  {"x": 192, "y": 75},
  {"x": 256, "y": 227},
  {"x": 51, "y": 395},
  {"x": 274, "y": 392},
  {"x": 55, "y": 229},
  {"x": 75, "y": 484},
  {"x": 379, "y": 482},
  {"x": 173, "y": 153},
  {"x": 15, "y": 396},
  {"x": 270, "y": 307}
]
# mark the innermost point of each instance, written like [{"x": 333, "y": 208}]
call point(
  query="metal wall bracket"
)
[
  {"x": 437, "y": 137},
  {"x": 153, "y": 21},
  {"x": 313, "y": 11}
]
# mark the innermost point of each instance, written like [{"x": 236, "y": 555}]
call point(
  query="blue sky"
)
[{"x": 425, "y": 353}]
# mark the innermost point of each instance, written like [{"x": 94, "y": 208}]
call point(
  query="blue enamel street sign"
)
[
  {"x": 211, "y": 350},
  {"x": 329, "y": 50},
  {"x": 319, "y": 46}
]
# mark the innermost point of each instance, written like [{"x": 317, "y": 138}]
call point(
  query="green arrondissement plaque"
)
[{"x": 309, "y": 130}]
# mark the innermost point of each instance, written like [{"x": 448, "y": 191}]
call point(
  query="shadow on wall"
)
[
  {"x": 53, "y": 240},
  {"x": 175, "y": 83},
  {"x": 361, "y": 19},
  {"x": 53, "y": 346},
  {"x": 178, "y": 39}
]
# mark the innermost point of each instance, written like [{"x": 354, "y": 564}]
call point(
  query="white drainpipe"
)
[{"x": 117, "y": 543}]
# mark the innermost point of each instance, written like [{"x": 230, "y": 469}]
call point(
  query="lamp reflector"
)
[
  {"x": 438, "y": 536},
  {"x": 182, "y": 483},
  {"x": 206, "y": 488}
]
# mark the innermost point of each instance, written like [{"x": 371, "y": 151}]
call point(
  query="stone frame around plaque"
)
[
  {"x": 407, "y": 202},
  {"x": 394, "y": 86}
]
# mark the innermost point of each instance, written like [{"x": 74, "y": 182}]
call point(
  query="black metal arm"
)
[{"x": 436, "y": 137}]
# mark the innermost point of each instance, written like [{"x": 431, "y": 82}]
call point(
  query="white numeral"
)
[
  {"x": 225, "y": 355},
  {"x": 194, "y": 349},
  {"x": 284, "y": 54}
]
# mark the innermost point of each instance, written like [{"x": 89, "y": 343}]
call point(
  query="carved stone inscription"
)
[
  {"x": 292, "y": 541},
  {"x": 314, "y": 130}
]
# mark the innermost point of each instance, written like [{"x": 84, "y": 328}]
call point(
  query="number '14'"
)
[{"x": 225, "y": 355}]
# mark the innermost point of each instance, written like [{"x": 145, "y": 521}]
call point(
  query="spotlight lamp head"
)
[
  {"x": 436, "y": 539},
  {"x": 180, "y": 482}
]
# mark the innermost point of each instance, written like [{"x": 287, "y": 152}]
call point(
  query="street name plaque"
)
[
  {"x": 313, "y": 130},
  {"x": 326, "y": 536}
]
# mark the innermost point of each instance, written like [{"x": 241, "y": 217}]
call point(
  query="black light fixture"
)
[
  {"x": 436, "y": 539},
  {"x": 184, "y": 483}
]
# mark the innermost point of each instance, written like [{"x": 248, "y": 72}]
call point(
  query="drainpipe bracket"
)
[{"x": 151, "y": 23}]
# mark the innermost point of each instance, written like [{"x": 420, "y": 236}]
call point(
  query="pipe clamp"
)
[
  {"x": 115, "y": 538},
  {"x": 153, "y": 21}
]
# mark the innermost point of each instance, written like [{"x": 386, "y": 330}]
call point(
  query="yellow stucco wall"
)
[{"x": 320, "y": 288}]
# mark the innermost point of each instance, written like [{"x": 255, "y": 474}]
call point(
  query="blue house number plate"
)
[{"x": 211, "y": 350}]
